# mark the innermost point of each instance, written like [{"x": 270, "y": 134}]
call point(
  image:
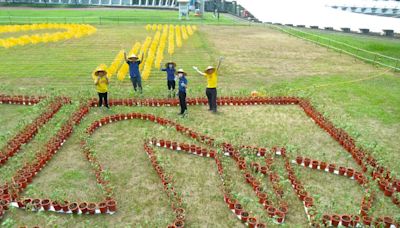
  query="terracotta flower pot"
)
[
  {"x": 238, "y": 209},
  {"x": 252, "y": 222},
  {"x": 112, "y": 205},
  {"x": 323, "y": 165},
  {"x": 83, "y": 207},
  {"x": 367, "y": 220},
  {"x": 280, "y": 216},
  {"x": 314, "y": 164},
  {"x": 346, "y": 219},
  {"x": 388, "y": 221},
  {"x": 342, "y": 170},
  {"x": 244, "y": 216},
  {"x": 308, "y": 201},
  {"x": 271, "y": 211},
  {"x": 349, "y": 172},
  {"x": 331, "y": 168},
  {"x": 179, "y": 223},
  {"x": 103, "y": 207},
  {"x": 389, "y": 191},
  {"x": 74, "y": 208},
  {"x": 91, "y": 208},
  {"x": 46, "y": 204},
  {"x": 231, "y": 202},
  {"x": 307, "y": 162},
  {"x": 335, "y": 220},
  {"x": 326, "y": 220},
  {"x": 355, "y": 220}
]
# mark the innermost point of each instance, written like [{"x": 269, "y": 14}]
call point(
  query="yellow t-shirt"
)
[
  {"x": 212, "y": 80},
  {"x": 102, "y": 86}
]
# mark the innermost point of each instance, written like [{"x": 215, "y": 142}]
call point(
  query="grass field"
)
[
  {"x": 15, "y": 15},
  {"x": 359, "y": 97},
  {"x": 384, "y": 50}
]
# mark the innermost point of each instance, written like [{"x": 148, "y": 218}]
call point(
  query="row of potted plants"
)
[
  {"x": 202, "y": 101},
  {"x": 23, "y": 177},
  {"x": 29, "y": 131},
  {"x": 189, "y": 148},
  {"x": 19, "y": 99},
  {"x": 332, "y": 168},
  {"x": 62, "y": 206},
  {"x": 362, "y": 157},
  {"x": 167, "y": 181}
]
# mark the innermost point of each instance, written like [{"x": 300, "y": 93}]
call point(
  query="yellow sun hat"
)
[
  {"x": 209, "y": 68},
  {"x": 181, "y": 71},
  {"x": 100, "y": 69},
  {"x": 133, "y": 57}
]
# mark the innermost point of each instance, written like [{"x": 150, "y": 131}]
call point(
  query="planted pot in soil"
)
[
  {"x": 280, "y": 216},
  {"x": 346, "y": 219},
  {"x": 74, "y": 208},
  {"x": 308, "y": 201},
  {"x": 331, "y": 168},
  {"x": 388, "y": 221},
  {"x": 389, "y": 190},
  {"x": 349, "y": 172},
  {"x": 314, "y": 164},
  {"x": 231, "y": 202},
  {"x": 179, "y": 223},
  {"x": 252, "y": 222},
  {"x": 307, "y": 162},
  {"x": 244, "y": 216},
  {"x": 342, "y": 170},
  {"x": 103, "y": 207},
  {"x": 326, "y": 220},
  {"x": 335, "y": 220},
  {"x": 238, "y": 209},
  {"x": 112, "y": 205},
  {"x": 323, "y": 165},
  {"x": 367, "y": 220},
  {"x": 355, "y": 220},
  {"x": 83, "y": 207},
  {"x": 271, "y": 211},
  {"x": 46, "y": 204},
  {"x": 91, "y": 208}
]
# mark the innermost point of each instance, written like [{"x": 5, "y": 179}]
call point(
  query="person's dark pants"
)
[
  {"x": 103, "y": 96},
  {"x": 182, "y": 101},
  {"x": 137, "y": 82},
  {"x": 212, "y": 98},
  {"x": 171, "y": 84}
]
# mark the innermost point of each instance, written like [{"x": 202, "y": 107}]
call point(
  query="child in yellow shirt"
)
[{"x": 101, "y": 83}]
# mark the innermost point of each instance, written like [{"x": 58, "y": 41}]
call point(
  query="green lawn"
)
[
  {"x": 359, "y": 97},
  {"x": 100, "y": 15},
  {"x": 388, "y": 48}
]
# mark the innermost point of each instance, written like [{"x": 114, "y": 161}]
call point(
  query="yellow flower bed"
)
[
  {"x": 72, "y": 31},
  {"x": 153, "y": 49}
]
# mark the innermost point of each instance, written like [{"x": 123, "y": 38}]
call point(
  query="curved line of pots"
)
[
  {"x": 19, "y": 99},
  {"x": 170, "y": 190},
  {"x": 233, "y": 205},
  {"x": 363, "y": 158},
  {"x": 175, "y": 146},
  {"x": 10, "y": 192},
  {"x": 25, "y": 135}
]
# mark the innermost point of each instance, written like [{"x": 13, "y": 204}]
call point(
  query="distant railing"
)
[
  {"x": 365, "y": 55},
  {"x": 110, "y": 20}
]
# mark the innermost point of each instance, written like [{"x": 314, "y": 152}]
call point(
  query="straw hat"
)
[
  {"x": 209, "y": 68},
  {"x": 100, "y": 69},
  {"x": 167, "y": 64},
  {"x": 133, "y": 57},
  {"x": 181, "y": 71}
]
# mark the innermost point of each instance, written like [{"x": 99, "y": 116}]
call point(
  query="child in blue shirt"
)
[
  {"x": 183, "y": 82},
  {"x": 133, "y": 61},
  {"x": 170, "y": 69}
]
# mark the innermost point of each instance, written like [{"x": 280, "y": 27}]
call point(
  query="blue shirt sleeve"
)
[{"x": 164, "y": 69}]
